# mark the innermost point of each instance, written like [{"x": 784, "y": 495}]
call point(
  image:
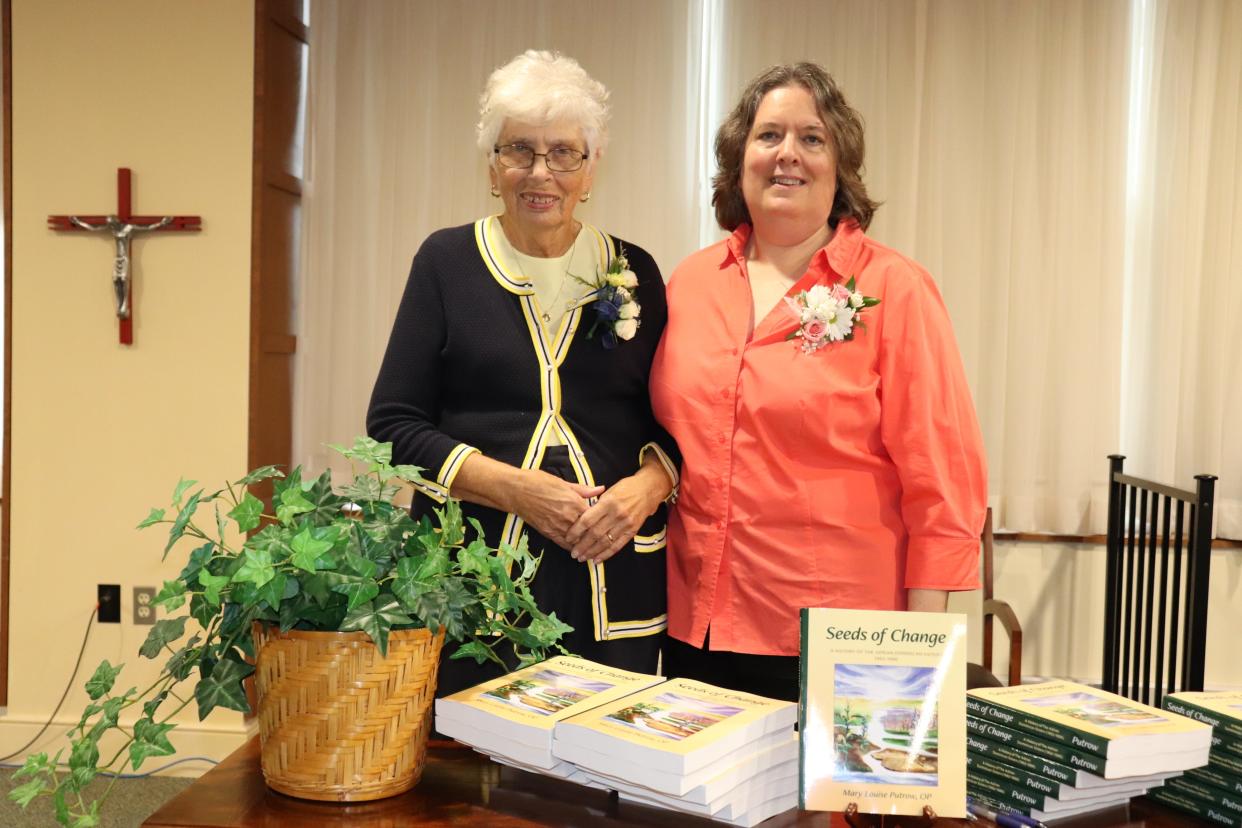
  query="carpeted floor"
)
[{"x": 131, "y": 801}]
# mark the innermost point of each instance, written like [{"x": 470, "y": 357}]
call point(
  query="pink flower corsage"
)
[{"x": 828, "y": 314}]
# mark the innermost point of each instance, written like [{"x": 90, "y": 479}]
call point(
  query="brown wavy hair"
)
[{"x": 845, "y": 126}]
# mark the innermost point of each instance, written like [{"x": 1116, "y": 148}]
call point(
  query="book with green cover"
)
[
  {"x": 1211, "y": 774},
  {"x": 1093, "y": 721},
  {"x": 1221, "y": 709},
  {"x": 1007, "y": 791},
  {"x": 1225, "y": 762},
  {"x": 1033, "y": 762},
  {"x": 1052, "y": 787},
  {"x": 1193, "y": 805},
  {"x": 882, "y": 714},
  {"x": 1208, "y": 793}
]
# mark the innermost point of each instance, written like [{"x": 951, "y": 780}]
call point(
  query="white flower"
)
[
  {"x": 840, "y": 324},
  {"x": 629, "y": 310},
  {"x": 626, "y": 328},
  {"x": 625, "y": 278},
  {"x": 856, "y": 300},
  {"x": 818, "y": 297}
]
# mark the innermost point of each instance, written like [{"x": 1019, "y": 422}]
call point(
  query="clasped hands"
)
[{"x": 561, "y": 511}]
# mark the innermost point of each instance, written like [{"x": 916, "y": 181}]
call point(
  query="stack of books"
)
[
  {"x": 512, "y": 718},
  {"x": 690, "y": 747},
  {"x": 1061, "y": 749},
  {"x": 1214, "y": 791},
  {"x": 680, "y": 744}
]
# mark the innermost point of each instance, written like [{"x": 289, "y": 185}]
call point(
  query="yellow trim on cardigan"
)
[
  {"x": 452, "y": 465},
  {"x": 651, "y": 543}
]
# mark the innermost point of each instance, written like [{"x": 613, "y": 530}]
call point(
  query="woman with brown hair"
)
[{"x": 830, "y": 450}]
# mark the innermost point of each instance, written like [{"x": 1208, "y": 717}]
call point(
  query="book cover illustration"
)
[
  {"x": 1101, "y": 712},
  {"x": 883, "y": 718},
  {"x": 545, "y": 692},
  {"x": 885, "y": 725},
  {"x": 674, "y": 715},
  {"x": 1092, "y": 720}
]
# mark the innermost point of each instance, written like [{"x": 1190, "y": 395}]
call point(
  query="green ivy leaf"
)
[
  {"x": 110, "y": 713},
  {"x": 90, "y": 819},
  {"x": 182, "y": 486},
  {"x": 182, "y": 521},
  {"x": 35, "y": 763},
  {"x": 62, "y": 807},
  {"x": 358, "y": 592},
  {"x": 153, "y": 704},
  {"x": 366, "y": 450},
  {"x": 278, "y": 589},
  {"x": 153, "y": 518},
  {"x": 260, "y": 474},
  {"x": 473, "y": 560},
  {"x": 364, "y": 487},
  {"x": 171, "y": 596},
  {"x": 473, "y": 649},
  {"x": 376, "y": 621},
  {"x": 163, "y": 633},
  {"x": 546, "y": 630},
  {"x": 435, "y": 564},
  {"x": 103, "y": 679},
  {"x": 199, "y": 558},
  {"x": 223, "y": 688},
  {"x": 292, "y": 502},
  {"x": 90, "y": 710},
  {"x": 212, "y": 584},
  {"x": 451, "y": 532},
  {"x": 84, "y": 761},
  {"x": 256, "y": 567},
  {"x": 201, "y": 611},
  {"x": 248, "y": 512},
  {"x": 408, "y": 473},
  {"x": 307, "y": 549},
  {"x": 150, "y": 739},
  {"x": 23, "y": 795},
  {"x": 181, "y": 664}
]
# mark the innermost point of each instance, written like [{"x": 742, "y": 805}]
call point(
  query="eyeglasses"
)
[{"x": 522, "y": 157}]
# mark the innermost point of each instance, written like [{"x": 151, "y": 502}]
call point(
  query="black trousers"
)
[
  {"x": 563, "y": 586},
  {"x": 775, "y": 677}
]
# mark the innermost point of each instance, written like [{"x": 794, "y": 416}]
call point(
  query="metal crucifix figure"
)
[
  {"x": 123, "y": 226},
  {"x": 121, "y": 232}
]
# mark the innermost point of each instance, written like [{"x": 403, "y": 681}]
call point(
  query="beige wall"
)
[{"x": 101, "y": 431}]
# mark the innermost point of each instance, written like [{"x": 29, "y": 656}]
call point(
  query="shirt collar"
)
[{"x": 839, "y": 256}]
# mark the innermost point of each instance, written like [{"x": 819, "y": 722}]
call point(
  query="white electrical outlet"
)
[{"x": 144, "y": 610}]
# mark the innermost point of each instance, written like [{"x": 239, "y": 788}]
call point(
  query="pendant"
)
[{"x": 547, "y": 318}]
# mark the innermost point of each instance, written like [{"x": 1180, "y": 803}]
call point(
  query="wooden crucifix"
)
[{"x": 123, "y": 226}]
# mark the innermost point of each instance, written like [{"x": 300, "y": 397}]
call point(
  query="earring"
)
[
  {"x": 495, "y": 192},
  {"x": 585, "y": 197}
]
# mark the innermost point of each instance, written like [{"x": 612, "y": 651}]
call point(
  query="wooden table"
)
[{"x": 462, "y": 788}]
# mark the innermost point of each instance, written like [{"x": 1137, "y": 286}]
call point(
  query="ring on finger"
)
[{"x": 611, "y": 539}]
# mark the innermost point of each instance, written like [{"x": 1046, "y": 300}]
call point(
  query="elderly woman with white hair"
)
[{"x": 516, "y": 373}]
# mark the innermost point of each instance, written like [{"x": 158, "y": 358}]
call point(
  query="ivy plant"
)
[{"x": 320, "y": 557}]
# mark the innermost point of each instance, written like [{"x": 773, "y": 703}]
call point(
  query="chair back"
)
[{"x": 1159, "y": 548}]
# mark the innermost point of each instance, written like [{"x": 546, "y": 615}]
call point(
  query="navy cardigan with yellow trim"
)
[{"x": 464, "y": 371}]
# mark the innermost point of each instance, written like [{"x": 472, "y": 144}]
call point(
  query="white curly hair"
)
[{"x": 539, "y": 87}]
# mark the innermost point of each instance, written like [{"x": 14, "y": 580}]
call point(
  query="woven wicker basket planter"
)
[{"x": 337, "y": 722}]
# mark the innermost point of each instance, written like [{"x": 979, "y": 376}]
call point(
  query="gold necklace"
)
[{"x": 569, "y": 260}]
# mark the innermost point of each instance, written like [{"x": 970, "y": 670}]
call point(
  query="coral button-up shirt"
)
[{"x": 838, "y": 478}]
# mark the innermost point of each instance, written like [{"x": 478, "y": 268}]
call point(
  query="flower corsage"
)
[
  {"x": 616, "y": 311},
  {"x": 828, "y": 314}
]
